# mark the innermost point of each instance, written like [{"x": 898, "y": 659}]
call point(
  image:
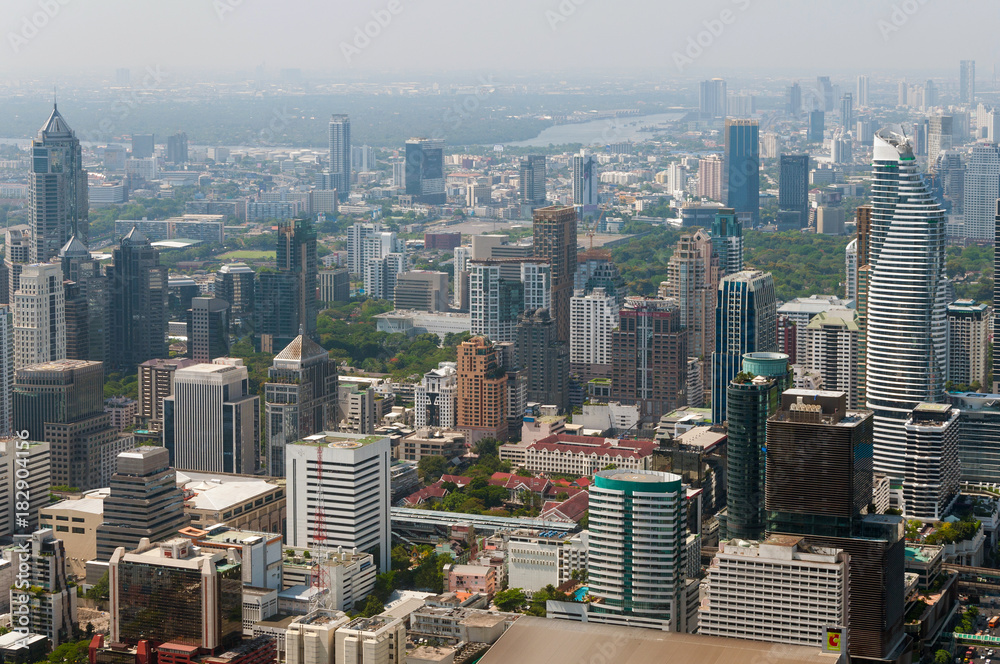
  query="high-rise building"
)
[
  {"x": 334, "y": 285},
  {"x": 178, "y": 593},
  {"x": 793, "y": 192},
  {"x": 532, "y": 179},
  {"x": 177, "y": 148},
  {"x": 57, "y": 190},
  {"x": 39, "y": 315},
  {"x": 742, "y": 166},
  {"x": 967, "y": 82},
  {"x": 208, "y": 328},
  {"x": 143, "y": 146},
  {"x": 139, "y": 303},
  {"x": 554, "y": 241},
  {"x": 851, "y": 269},
  {"x": 932, "y": 471},
  {"x": 710, "y": 178},
  {"x": 653, "y": 593},
  {"x": 496, "y": 299},
  {"x": 144, "y": 502},
  {"x": 712, "y": 98},
  {"x": 544, "y": 359},
  {"x": 752, "y": 397},
  {"x": 435, "y": 398},
  {"x": 300, "y": 399},
  {"x": 363, "y": 158},
  {"x": 693, "y": 282},
  {"x": 340, "y": 154},
  {"x": 828, "y": 345},
  {"x": 17, "y": 248},
  {"x": 31, "y": 457},
  {"x": 862, "y": 93},
  {"x": 338, "y": 493},
  {"x": 211, "y": 422},
  {"x": 649, "y": 354},
  {"x": 727, "y": 241},
  {"x": 847, "y": 111},
  {"x": 793, "y": 99},
  {"x": 585, "y": 181},
  {"x": 384, "y": 261},
  {"x": 6, "y": 370},
  {"x": 356, "y": 236},
  {"x": 425, "y": 170},
  {"x": 51, "y": 608},
  {"x": 968, "y": 342},
  {"x": 978, "y": 435},
  {"x": 593, "y": 317},
  {"x": 234, "y": 283},
  {"x": 482, "y": 391},
  {"x": 285, "y": 301},
  {"x": 981, "y": 189},
  {"x": 940, "y": 136},
  {"x": 745, "y": 322},
  {"x": 863, "y": 218},
  {"x": 156, "y": 381},
  {"x": 907, "y": 326},
  {"x": 87, "y": 298},
  {"x": 421, "y": 290},
  {"x": 595, "y": 269},
  {"x": 816, "y": 126},
  {"x": 996, "y": 305}
]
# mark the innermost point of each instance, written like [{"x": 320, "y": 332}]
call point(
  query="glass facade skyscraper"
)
[
  {"x": 743, "y": 169},
  {"x": 340, "y": 154}
]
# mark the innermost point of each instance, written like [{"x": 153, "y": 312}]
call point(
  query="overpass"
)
[
  {"x": 976, "y": 578},
  {"x": 430, "y": 526}
]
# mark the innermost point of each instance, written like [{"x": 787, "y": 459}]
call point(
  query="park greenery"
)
[
  {"x": 949, "y": 533},
  {"x": 514, "y": 600}
]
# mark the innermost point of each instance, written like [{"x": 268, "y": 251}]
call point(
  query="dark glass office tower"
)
[
  {"x": 286, "y": 303},
  {"x": 742, "y": 166},
  {"x": 139, "y": 303},
  {"x": 793, "y": 192},
  {"x": 533, "y": 179}
]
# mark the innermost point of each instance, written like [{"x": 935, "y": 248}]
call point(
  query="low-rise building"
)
[
  {"x": 538, "y": 558},
  {"x": 584, "y": 455},
  {"x": 311, "y": 639},
  {"x": 240, "y": 501},
  {"x": 454, "y": 624},
  {"x": 377, "y": 640},
  {"x": 349, "y": 576},
  {"x": 75, "y": 522},
  {"x": 411, "y": 323},
  {"x": 480, "y": 579},
  {"x": 433, "y": 442}
]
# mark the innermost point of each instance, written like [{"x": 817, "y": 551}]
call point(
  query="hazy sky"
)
[{"x": 97, "y": 36}]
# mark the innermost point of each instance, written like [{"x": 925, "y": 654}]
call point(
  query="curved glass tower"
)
[{"x": 907, "y": 353}]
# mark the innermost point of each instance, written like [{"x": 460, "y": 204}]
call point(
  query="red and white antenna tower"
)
[{"x": 320, "y": 578}]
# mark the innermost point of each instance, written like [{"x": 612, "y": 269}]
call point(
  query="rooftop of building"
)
[
  {"x": 372, "y": 624},
  {"x": 216, "y": 492},
  {"x": 84, "y": 505},
  {"x": 58, "y": 365},
  {"x": 702, "y": 437},
  {"x": 321, "y": 617},
  {"x": 967, "y": 306},
  {"x": 595, "y": 445},
  {"x": 632, "y": 476},
  {"x": 337, "y": 439}
]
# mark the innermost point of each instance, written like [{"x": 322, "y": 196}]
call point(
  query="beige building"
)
[
  {"x": 75, "y": 522},
  {"x": 433, "y": 442},
  {"x": 311, "y": 639},
  {"x": 377, "y": 640},
  {"x": 240, "y": 501}
]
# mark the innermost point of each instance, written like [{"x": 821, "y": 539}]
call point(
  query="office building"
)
[
  {"x": 793, "y": 192},
  {"x": 334, "y": 285},
  {"x": 742, "y": 170},
  {"x": 49, "y": 602},
  {"x": 234, "y": 283},
  {"x": 543, "y": 359},
  {"x": 156, "y": 381},
  {"x": 178, "y": 593},
  {"x": 177, "y": 148},
  {"x": 907, "y": 326},
  {"x": 435, "y": 399},
  {"x": 311, "y": 639},
  {"x": 595, "y": 269},
  {"x": 752, "y": 397},
  {"x": 17, "y": 248},
  {"x": 968, "y": 342},
  {"x": 384, "y": 260},
  {"x": 727, "y": 241},
  {"x": 828, "y": 345},
  {"x": 653, "y": 595},
  {"x": 816, "y": 126},
  {"x": 425, "y": 171},
  {"x": 139, "y": 303},
  {"x": 825, "y": 91},
  {"x": 57, "y": 190},
  {"x": 793, "y": 99},
  {"x": 712, "y": 98},
  {"x": 693, "y": 282},
  {"x": 585, "y": 181},
  {"x": 496, "y": 299},
  {"x": 532, "y": 179},
  {"x": 6, "y": 370},
  {"x": 782, "y": 589},
  {"x": 967, "y": 83},
  {"x": 208, "y": 329},
  {"x": 79, "y": 519},
  {"x": 649, "y": 353},
  {"x": 421, "y": 290},
  {"x": 144, "y": 502},
  {"x": 285, "y": 301},
  {"x": 745, "y": 322},
  {"x": 87, "y": 301},
  {"x": 142, "y": 146},
  {"x": 847, "y": 111},
  {"x": 862, "y": 93},
  {"x": 338, "y": 493},
  {"x": 39, "y": 315},
  {"x": 340, "y": 154},
  {"x": 593, "y": 317},
  {"x": 710, "y": 178},
  {"x": 300, "y": 399},
  {"x": 378, "y": 640},
  {"x": 932, "y": 471},
  {"x": 482, "y": 391},
  {"x": 554, "y": 241},
  {"x": 981, "y": 189},
  {"x": 357, "y": 410},
  {"x": 940, "y": 136},
  {"x": 536, "y": 559},
  {"x": 211, "y": 422},
  {"x": 35, "y": 458},
  {"x": 978, "y": 435}
]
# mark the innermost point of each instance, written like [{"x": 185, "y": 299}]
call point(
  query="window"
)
[
  {"x": 78, "y": 531},
  {"x": 62, "y": 529}
]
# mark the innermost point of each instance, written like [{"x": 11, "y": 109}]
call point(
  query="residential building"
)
[
  {"x": 340, "y": 154},
  {"x": 177, "y": 148},
  {"x": 742, "y": 165},
  {"x": 940, "y": 136},
  {"x": 57, "y": 190},
  {"x": 862, "y": 93},
  {"x": 211, "y": 422},
  {"x": 712, "y": 98},
  {"x": 334, "y": 285},
  {"x": 356, "y": 236},
  {"x": 496, "y": 298},
  {"x": 139, "y": 303},
  {"x": 6, "y": 370},
  {"x": 649, "y": 352},
  {"x": 425, "y": 170},
  {"x": 829, "y": 345},
  {"x": 967, "y": 82},
  {"x": 981, "y": 189},
  {"x": 385, "y": 261},
  {"x": 585, "y": 181},
  {"x": 208, "y": 329},
  {"x": 710, "y": 178},
  {"x": 49, "y": 602},
  {"x": 554, "y": 241},
  {"x": 39, "y": 315},
  {"x": 932, "y": 471},
  {"x": 693, "y": 282},
  {"x": 851, "y": 269},
  {"x": 906, "y": 336},
  {"x": 482, "y": 391},
  {"x": 300, "y": 398},
  {"x": 144, "y": 502},
  {"x": 538, "y": 558},
  {"x": 156, "y": 381},
  {"x": 593, "y": 317},
  {"x": 17, "y": 249},
  {"x": 480, "y": 579},
  {"x": 968, "y": 342},
  {"x": 544, "y": 359},
  {"x": 727, "y": 241},
  {"x": 434, "y": 401},
  {"x": 348, "y": 502},
  {"x": 421, "y": 290},
  {"x": 830, "y": 220},
  {"x": 745, "y": 322},
  {"x": 34, "y": 457},
  {"x": 817, "y": 120},
  {"x": 532, "y": 179},
  {"x": 595, "y": 269},
  {"x": 782, "y": 589}
]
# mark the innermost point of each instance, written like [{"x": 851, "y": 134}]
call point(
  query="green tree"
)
[
  {"x": 71, "y": 652},
  {"x": 431, "y": 468},
  {"x": 99, "y": 590},
  {"x": 942, "y": 657},
  {"x": 372, "y": 607},
  {"x": 510, "y": 600}
]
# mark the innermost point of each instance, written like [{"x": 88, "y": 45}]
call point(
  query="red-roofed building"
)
[
  {"x": 424, "y": 495},
  {"x": 570, "y": 510},
  {"x": 458, "y": 480},
  {"x": 517, "y": 485},
  {"x": 585, "y": 455}
]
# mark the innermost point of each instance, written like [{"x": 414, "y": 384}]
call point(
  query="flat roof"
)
[{"x": 532, "y": 640}]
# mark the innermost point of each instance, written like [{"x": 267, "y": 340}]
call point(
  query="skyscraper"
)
[
  {"x": 829, "y": 346},
  {"x": 862, "y": 93},
  {"x": 544, "y": 359},
  {"x": 208, "y": 328},
  {"x": 693, "y": 282},
  {"x": 482, "y": 391},
  {"x": 139, "y": 303},
  {"x": 286, "y": 304},
  {"x": 593, "y": 317},
  {"x": 234, "y": 283},
  {"x": 793, "y": 103},
  {"x": 532, "y": 179},
  {"x": 356, "y": 236},
  {"x": 727, "y": 241},
  {"x": 940, "y": 136},
  {"x": 968, "y": 343},
  {"x": 752, "y": 397},
  {"x": 825, "y": 90},
  {"x": 793, "y": 192},
  {"x": 980, "y": 191},
  {"x": 143, "y": 146},
  {"x": 907, "y": 302},
  {"x": 816, "y": 126},
  {"x": 384, "y": 260},
  {"x": 585, "y": 181},
  {"x": 177, "y": 148},
  {"x": 17, "y": 249},
  {"x": 39, "y": 315},
  {"x": 57, "y": 189},
  {"x": 932, "y": 472},
  {"x": 496, "y": 302},
  {"x": 52, "y": 607},
  {"x": 156, "y": 381},
  {"x": 554, "y": 241},
  {"x": 6, "y": 370},
  {"x": 340, "y": 154},
  {"x": 712, "y": 98},
  {"x": 967, "y": 82},
  {"x": 847, "y": 111},
  {"x": 425, "y": 170},
  {"x": 745, "y": 322},
  {"x": 300, "y": 399},
  {"x": 88, "y": 304},
  {"x": 851, "y": 269},
  {"x": 742, "y": 169},
  {"x": 710, "y": 177}
]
